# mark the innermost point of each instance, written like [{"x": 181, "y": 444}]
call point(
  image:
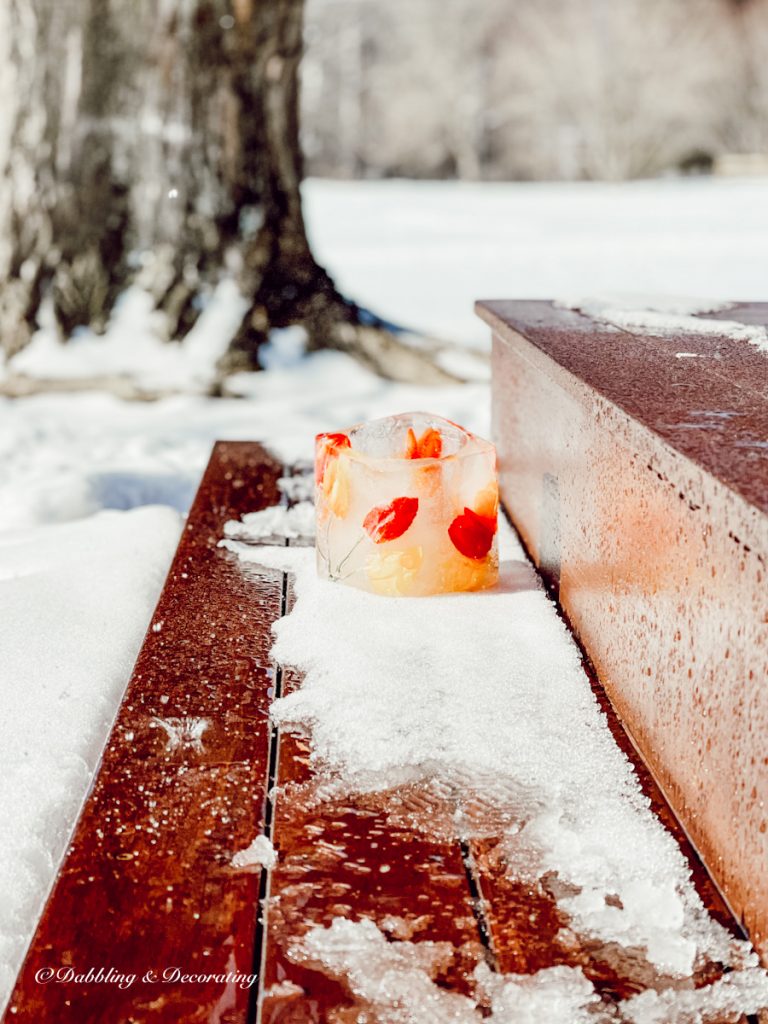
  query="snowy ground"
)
[{"x": 78, "y": 583}]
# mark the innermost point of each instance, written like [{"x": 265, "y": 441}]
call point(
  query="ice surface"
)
[
  {"x": 489, "y": 686},
  {"x": 260, "y": 853},
  {"x": 76, "y": 599}
]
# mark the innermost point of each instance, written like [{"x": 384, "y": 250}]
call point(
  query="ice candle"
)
[{"x": 407, "y": 506}]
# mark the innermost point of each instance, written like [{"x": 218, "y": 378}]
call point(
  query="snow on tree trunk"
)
[{"x": 158, "y": 142}]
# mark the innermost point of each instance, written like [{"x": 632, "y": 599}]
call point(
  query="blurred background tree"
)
[
  {"x": 532, "y": 89},
  {"x": 158, "y": 144},
  {"x": 157, "y": 141}
]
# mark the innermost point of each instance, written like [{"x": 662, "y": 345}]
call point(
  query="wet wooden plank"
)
[
  {"x": 528, "y": 932},
  {"x": 378, "y": 857},
  {"x": 639, "y": 483},
  {"x": 147, "y": 884}
]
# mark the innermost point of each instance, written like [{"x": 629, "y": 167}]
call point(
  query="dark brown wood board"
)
[{"x": 147, "y": 883}]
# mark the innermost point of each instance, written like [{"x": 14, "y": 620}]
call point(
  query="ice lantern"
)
[{"x": 407, "y": 506}]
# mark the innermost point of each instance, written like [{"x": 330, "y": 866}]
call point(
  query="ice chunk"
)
[
  {"x": 407, "y": 507},
  {"x": 261, "y": 852}
]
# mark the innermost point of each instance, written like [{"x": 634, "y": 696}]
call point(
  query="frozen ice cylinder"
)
[{"x": 407, "y": 506}]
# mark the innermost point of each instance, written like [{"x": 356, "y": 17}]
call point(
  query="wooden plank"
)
[
  {"x": 356, "y": 857},
  {"x": 147, "y": 883},
  {"x": 639, "y": 483},
  {"x": 527, "y": 931}
]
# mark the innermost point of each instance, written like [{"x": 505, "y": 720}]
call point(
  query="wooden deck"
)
[{"x": 192, "y": 772}]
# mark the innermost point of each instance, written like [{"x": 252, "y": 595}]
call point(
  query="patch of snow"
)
[
  {"x": 286, "y": 348},
  {"x": 667, "y": 316},
  {"x": 76, "y": 599},
  {"x": 421, "y": 253},
  {"x": 664, "y": 305},
  {"x": 67, "y": 456},
  {"x": 297, "y": 488},
  {"x": 395, "y": 980},
  {"x": 731, "y": 997},
  {"x": 296, "y": 521},
  {"x": 261, "y": 852},
  {"x": 490, "y": 686},
  {"x": 134, "y": 345}
]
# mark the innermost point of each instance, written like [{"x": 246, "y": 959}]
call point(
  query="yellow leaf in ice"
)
[
  {"x": 460, "y": 573},
  {"x": 393, "y": 572}
]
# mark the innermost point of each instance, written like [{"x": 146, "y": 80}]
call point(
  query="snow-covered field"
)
[{"x": 92, "y": 489}]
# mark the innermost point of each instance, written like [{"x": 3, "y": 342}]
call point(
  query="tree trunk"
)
[{"x": 158, "y": 143}]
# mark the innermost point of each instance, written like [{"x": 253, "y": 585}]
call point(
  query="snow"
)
[
  {"x": 76, "y": 600},
  {"x": 653, "y": 315},
  {"x": 134, "y": 346},
  {"x": 298, "y": 521},
  {"x": 395, "y": 981},
  {"x": 79, "y": 583},
  {"x": 260, "y": 853},
  {"x": 422, "y": 252},
  {"x": 392, "y": 708}
]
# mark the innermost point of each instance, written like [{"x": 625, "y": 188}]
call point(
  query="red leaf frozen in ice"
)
[
  {"x": 472, "y": 534},
  {"x": 388, "y": 522}
]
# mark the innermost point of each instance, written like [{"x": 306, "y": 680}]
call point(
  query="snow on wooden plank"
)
[
  {"x": 148, "y": 884},
  {"x": 527, "y": 931},
  {"x": 357, "y": 857},
  {"x": 637, "y": 476}
]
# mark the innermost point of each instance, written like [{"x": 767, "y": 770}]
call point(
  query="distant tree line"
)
[{"x": 532, "y": 89}]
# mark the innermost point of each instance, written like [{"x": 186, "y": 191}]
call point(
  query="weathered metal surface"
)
[
  {"x": 639, "y": 482},
  {"x": 147, "y": 884}
]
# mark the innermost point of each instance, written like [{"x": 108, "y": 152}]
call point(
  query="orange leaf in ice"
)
[
  {"x": 336, "y": 486},
  {"x": 388, "y": 522},
  {"x": 472, "y": 534},
  {"x": 327, "y": 445},
  {"x": 428, "y": 446},
  {"x": 486, "y": 502}
]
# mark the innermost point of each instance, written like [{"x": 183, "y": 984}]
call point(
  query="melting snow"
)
[
  {"x": 472, "y": 690},
  {"x": 395, "y": 980}
]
